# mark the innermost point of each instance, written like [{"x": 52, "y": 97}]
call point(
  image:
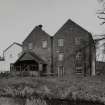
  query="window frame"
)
[
  {"x": 30, "y": 46},
  {"x": 44, "y": 44},
  {"x": 77, "y": 40},
  {"x": 79, "y": 67},
  {"x": 61, "y": 56},
  {"x": 60, "y": 42},
  {"x": 60, "y": 70}
]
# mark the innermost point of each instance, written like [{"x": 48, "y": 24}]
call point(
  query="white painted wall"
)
[
  {"x": 100, "y": 51},
  {"x": 10, "y": 56},
  {"x": 2, "y": 66}
]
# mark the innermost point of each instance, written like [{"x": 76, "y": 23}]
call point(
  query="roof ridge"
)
[{"x": 12, "y": 45}]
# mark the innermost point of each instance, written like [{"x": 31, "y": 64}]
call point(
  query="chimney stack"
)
[{"x": 39, "y": 26}]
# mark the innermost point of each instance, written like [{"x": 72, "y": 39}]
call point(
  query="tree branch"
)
[
  {"x": 101, "y": 17},
  {"x": 102, "y": 12},
  {"x": 102, "y": 23}
]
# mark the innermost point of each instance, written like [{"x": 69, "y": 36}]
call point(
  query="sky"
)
[{"x": 19, "y": 17}]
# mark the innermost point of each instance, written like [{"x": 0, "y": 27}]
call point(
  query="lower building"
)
[
  {"x": 32, "y": 64},
  {"x": 10, "y": 55}
]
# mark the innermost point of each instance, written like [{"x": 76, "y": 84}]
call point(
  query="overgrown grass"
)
[{"x": 88, "y": 88}]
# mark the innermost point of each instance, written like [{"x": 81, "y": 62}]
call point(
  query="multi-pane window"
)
[
  {"x": 60, "y": 42},
  {"x": 60, "y": 70},
  {"x": 44, "y": 44},
  {"x": 30, "y": 46},
  {"x": 79, "y": 62},
  {"x": 34, "y": 67},
  {"x": 60, "y": 56}
]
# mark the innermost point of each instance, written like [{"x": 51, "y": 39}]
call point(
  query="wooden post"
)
[
  {"x": 58, "y": 70},
  {"x": 93, "y": 72},
  {"x": 40, "y": 68}
]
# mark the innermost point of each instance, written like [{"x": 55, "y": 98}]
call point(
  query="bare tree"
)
[{"x": 101, "y": 12}]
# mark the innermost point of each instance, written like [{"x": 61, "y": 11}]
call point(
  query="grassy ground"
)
[{"x": 88, "y": 88}]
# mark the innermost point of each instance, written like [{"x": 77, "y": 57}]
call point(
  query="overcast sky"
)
[{"x": 19, "y": 17}]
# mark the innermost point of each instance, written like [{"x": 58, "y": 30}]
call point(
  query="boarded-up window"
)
[
  {"x": 30, "y": 45},
  {"x": 60, "y": 70},
  {"x": 60, "y": 42},
  {"x": 61, "y": 57},
  {"x": 44, "y": 44}
]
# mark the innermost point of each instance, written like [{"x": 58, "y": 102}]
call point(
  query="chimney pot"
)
[{"x": 39, "y": 26}]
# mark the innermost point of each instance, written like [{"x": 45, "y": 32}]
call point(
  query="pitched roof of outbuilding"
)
[
  {"x": 33, "y": 57},
  {"x": 12, "y": 45}
]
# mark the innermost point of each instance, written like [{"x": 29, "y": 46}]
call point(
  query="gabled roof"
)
[
  {"x": 36, "y": 31},
  {"x": 67, "y": 25},
  {"x": 12, "y": 45},
  {"x": 31, "y": 56}
]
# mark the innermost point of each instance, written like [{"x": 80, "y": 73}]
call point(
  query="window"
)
[
  {"x": 11, "y": 67},
  {"x": 44, "y": 44},
  {"x": 79, "y": 56},
  {"x": 60, "y": 42},
  {"x": 79, "y": 62},
  {"x": 34, "y": 67},
  {"x": 77, "y": 41},
  {"x": 60, "y": 70},
  {"x": 61, "y": 57},
  {"x": 79, "y": 69},
  {"x": 30, "y": 46}
]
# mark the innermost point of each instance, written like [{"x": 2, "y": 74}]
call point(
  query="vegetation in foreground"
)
[{"x": 87, "y": 88}]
